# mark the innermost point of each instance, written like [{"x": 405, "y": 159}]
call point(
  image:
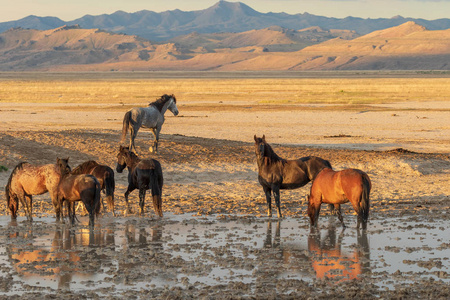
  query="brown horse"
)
[
  {"x": 81, "y": 187},
  {"x": 27, "y": 180},
  {"x": 142, "y": 175},
  {"x": 104, "y": 175},
  {"x": 275, "y": 173},
  {"x": 349, "y": 185}
]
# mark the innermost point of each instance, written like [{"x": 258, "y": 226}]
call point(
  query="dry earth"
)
[{"x": 209, "y": 168}]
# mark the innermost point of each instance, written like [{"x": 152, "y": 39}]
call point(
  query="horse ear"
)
[
  {"x": 255, "y": 137},
  {"x": 264, "y": 138}
]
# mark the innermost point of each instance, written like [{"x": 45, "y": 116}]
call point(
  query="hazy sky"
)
[{"x": 68, "y": 10}]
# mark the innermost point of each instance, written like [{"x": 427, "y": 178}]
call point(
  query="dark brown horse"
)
[
  {"x": 27, "y": 180},
  {"x": 143, "y": 175},
  {"x": 349, "y": 185},
  {"x": 275, "y": 173},
  {"x": 81, "y": 187},
  {"x": 104, "y": 175}
]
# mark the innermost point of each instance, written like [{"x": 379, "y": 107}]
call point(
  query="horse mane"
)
[
  {"x": 84, "y": 167},
  {"x": 159, "y": 103},
  {"x": 270, "y": 153}
]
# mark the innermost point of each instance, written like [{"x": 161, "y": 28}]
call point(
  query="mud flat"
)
[{"x": 215, "y": 241}]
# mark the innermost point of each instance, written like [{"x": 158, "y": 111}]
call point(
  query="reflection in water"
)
[
  {"x": 325, "y": 255},
  {"x": 329, "y": 261},
  {"x": 133, "y": 254},
  {"x": 68, "y": 254}
]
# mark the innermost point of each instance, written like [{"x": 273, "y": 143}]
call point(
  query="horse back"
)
[
  {"x": 102, "y": 173},
  {"x": 144, "y": 172},
  {"x": 35, "y": 180},
  {"x": 72, "y": 187},
  {"x": 148, "y": 117}
]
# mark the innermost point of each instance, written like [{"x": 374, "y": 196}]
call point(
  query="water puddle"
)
[{"x": 183, "y": 250}]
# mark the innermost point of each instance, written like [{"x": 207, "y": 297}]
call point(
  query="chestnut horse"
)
[
  {"x": 104, "y": 175},
  {"x": 143, "y": 175},
  {"x": 349, "y": 185},
  {"x": 80, "y": 187},
  {"x": 27, "y": 180},
  {"x": 275, "y": 173}
]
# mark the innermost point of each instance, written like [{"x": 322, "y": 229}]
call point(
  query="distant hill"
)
[
  {"x": 220, "y": 18},
  {"x": 273, "y": 39},
  {"x": 70, "y": 48}
]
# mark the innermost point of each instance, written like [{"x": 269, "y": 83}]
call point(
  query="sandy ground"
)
[{"x": 209, "y": 163}]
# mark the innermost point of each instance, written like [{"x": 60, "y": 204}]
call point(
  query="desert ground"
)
[{"x": 215, "y": 240}]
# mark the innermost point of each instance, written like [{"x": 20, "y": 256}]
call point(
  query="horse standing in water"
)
[
  {"x": 104, "y": 175},
  {"x": 143, "y": 175},
  {"x": 349, "y": 185},
  {"x": 275, "y": 173},
  {"x": 148, "y": 117},
  {"x": 79, "y": 187},
  {"x": 27, "y": 180}
]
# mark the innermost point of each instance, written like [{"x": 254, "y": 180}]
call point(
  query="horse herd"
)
[{"x": 85, "y": 182}]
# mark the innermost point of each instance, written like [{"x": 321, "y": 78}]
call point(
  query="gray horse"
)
[{"x": 151, "y": 117}]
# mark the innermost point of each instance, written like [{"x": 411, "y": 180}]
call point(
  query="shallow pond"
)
[{"x": 132, "y": 253}]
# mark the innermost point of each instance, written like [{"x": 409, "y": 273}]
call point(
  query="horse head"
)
[
  {"x": 124, "y": 153},
  {"x": 173, "y": 106},
  {"x": 260, "y": 146},
  {"x": 63, "y": 165}
]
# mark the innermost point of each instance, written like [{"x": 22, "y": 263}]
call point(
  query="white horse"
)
[{"x": 148, "y": 117}]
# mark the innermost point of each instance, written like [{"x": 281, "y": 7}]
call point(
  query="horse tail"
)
[
  {"x": 125, "y": 126},
  {"x": 109, "y": 189},
  {"x": 11, "y": 198},
  {"x": 97, "y": 199},
  {"x": 365, "y": 205},
  {"x": 156, "y": 186}
]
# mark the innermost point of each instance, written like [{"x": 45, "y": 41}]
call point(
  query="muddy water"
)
[{"x": 202, "y": 253}]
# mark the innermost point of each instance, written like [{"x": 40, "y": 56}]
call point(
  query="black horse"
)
[
  {"x": 143, "y": 175},
  {"x": 104, "y": 175},
  {"x": 275, "y": 173}
]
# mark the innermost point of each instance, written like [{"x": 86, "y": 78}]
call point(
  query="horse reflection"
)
[
  {"x": 329, "y": 261},
  {"x": 140, "y": 237},
  {"x": 59, "y": 262}
]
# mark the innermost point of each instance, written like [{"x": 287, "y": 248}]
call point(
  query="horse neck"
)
[
  {"x": 166, "y": 106},
  {"x": 269, "y": 160},
  {"x": 132, "y": 161}
]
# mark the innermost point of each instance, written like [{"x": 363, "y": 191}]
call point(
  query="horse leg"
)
[
  {"x": 276, "y": 195},
  {"x": 268, "y": 192},
  {"x": 56, "y": 204},
  {"x": 154, "y": 147},
  {"x": 29, "y": 201},
  {"x": 133, "y": 134},
  {"x": 22, "y": 198},
  {"x": 314, "y": 203},
  {"x": 129, "y": 190},
  {"x": 142, "y": 192},
  {"x": 339, "y": 214}
]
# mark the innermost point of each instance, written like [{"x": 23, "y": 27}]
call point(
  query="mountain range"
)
[
  {"x": 73, "y": 47},
  {"x": 222, "y": 17}
]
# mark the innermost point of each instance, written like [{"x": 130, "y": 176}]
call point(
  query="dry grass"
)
[{"x": 238, "y": 91}]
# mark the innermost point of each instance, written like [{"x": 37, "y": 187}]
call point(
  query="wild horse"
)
[
  {"x": 78, "y": 187},
  {"x": 275, "y": 173},
  {"x": 27, "y": 180},
  {"x": 104, "y": 175},
  {"x": 151, "y": 117},
  {"x": 349, "y": 185},
  {"x": 143, "y": 175}
]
